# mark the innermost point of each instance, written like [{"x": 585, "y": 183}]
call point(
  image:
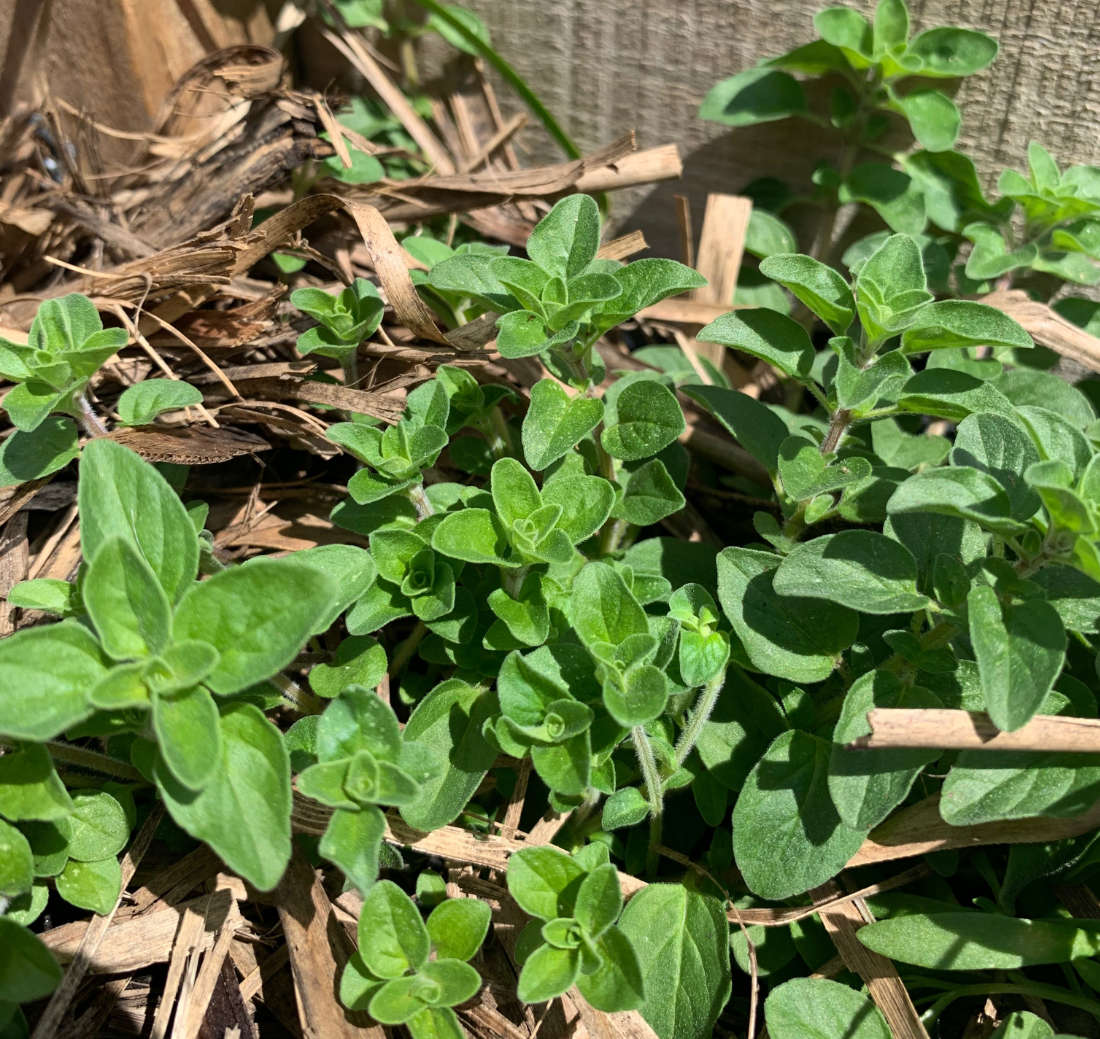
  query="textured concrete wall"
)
[{"x": 603, "y": 66}]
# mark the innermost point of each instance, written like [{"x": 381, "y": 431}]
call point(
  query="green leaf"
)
[
  {"x": 472, "y": 535},
  {"x": 866, "y": 571},
  {"x": 547, "y": 973},
  {"x": 819, "y": 287},
  {"x": 1020, "y": 650},
  {"x": 28, "y": 970},
  {"x": 523, "y": 279},
  {"x": 649, "y": 494},
  {"x": 758, "y": 95},
  {"x": 991, "y": 257},
  {"x": 515, "y": 493},
  {"x": 143, "y": 402},
  {"x": 758, "y": 428},
  {"x": 957, "y": 491},
  {"x": 251, "y": 783},
  {"x": 1056, "y": 437},
  {"x": 625, "y": 807},
  {"x": 127, "y": 605},
  {"x": 435, "y": 1023},
  {"x": 933, "y": 118},
  {"x": 867, "y": 785},
  {"x": 99, "y": 827},
  {"x": 449, "y": 722},
  {"x": 359, "y": 660},
  {"x": 91, "y": 885},
  {"x": 257, "y": 616},
  {"x": 353, "y": 841},
  {"x": 458, "y": 926},
  {"x": 951, "y": 394},
  {"x": 891, "y": 287},
  {"x": 28, "y": 404},
  {"x": 555, "y": 423},
  {"x": 186, "y": 725},
  {"x": 947, "y": 52},
  {"x": 521, "y": 334},
  {"x": 616, "y": 985},
  {"x": 795, "y": 638},
  {"x": 52, "y": 668},
  {"x": 645, "y": 282},
  {"x": 891, "y": 25},
  {"x": 51, "y": 446},
  {"x": 787, "y": 835},
  {"x": 681, "y": 940},
  {"x": 599, "y": 900},
  {"x": 456, "y": 981},
  {"x": 767, "y": 235},
  {"x": 995, "y": 445},
  {"x": 352, "y": 571},
  {"x": 816, "y": 1008},
  {"x": 358, "y": 720},
  {"x": 16, "y": 862},
  {"x": 585, "y": 502},
  {"x": 122, "y": 495},
  {"x": 989, "y": 787},
  {"x": 564, "y": 242},
  {"x": 765, "y": 334},
  {"x": 849, "y": 31},
  {"x": 544, "y": 881},
  {"x": 969, "y": 940},
  {"x": 892, "y": 194},
  {"x": 392, "y": 937},
  {"x": 30, "y": 788},
  {"x": 644, "y": 419},
  {"x": 957, "y": 322},
  {"x": 603, "y": 609},
  {"x": 1026, "y": 386}
]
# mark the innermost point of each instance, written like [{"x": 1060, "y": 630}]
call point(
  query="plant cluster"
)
[
  {"x": 1038, "y": 233},
  {"x": 526, "y": 615}
]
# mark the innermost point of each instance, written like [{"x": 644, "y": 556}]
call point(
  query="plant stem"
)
[
  {"x": 500, "y": 440},
  {"x": 653, "y": 792},
  {"x": 403, "y": 654},
  {"x": 841, "y": 420},
  {"x": 511, "y": 579},
  {"x": 704, "y": 706},
  {"x": 89, "y": 420},
  {"x": 81, "y": 757},
  {"x": 420, "y": 502},
  {"x": 611, "y": 535}
]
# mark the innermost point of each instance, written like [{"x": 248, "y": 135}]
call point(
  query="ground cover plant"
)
[{"x": 552, "y": 761}]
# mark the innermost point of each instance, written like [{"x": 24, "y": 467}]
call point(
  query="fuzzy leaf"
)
[
  {"x": 681, "y": 940},
  {"x": 787, "y": 835},
  {"x": 556, "y": 422},
  {"x": 251, "y": 782},
  {"x": 257, "y": 616}
]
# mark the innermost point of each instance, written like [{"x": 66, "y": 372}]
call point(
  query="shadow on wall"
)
[{"x": 787, "y": 150}]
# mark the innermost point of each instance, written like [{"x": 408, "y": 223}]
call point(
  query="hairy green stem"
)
[
  {"x": 704, "y": 707},
  {"x": 89, "y": 420},
  {"x": 420, "y": 502},
  {"x": 647, "y": 763}
]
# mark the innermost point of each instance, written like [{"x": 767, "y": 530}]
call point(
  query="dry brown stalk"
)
[
  {"x": 973, "y": 730},
  {"x": 842, "y": 920}
]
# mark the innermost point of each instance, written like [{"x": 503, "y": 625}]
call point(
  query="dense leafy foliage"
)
[{"x": 661, "y": 692}]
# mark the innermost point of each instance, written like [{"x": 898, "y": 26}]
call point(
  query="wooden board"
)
[{"x": 604, "y": 66}]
